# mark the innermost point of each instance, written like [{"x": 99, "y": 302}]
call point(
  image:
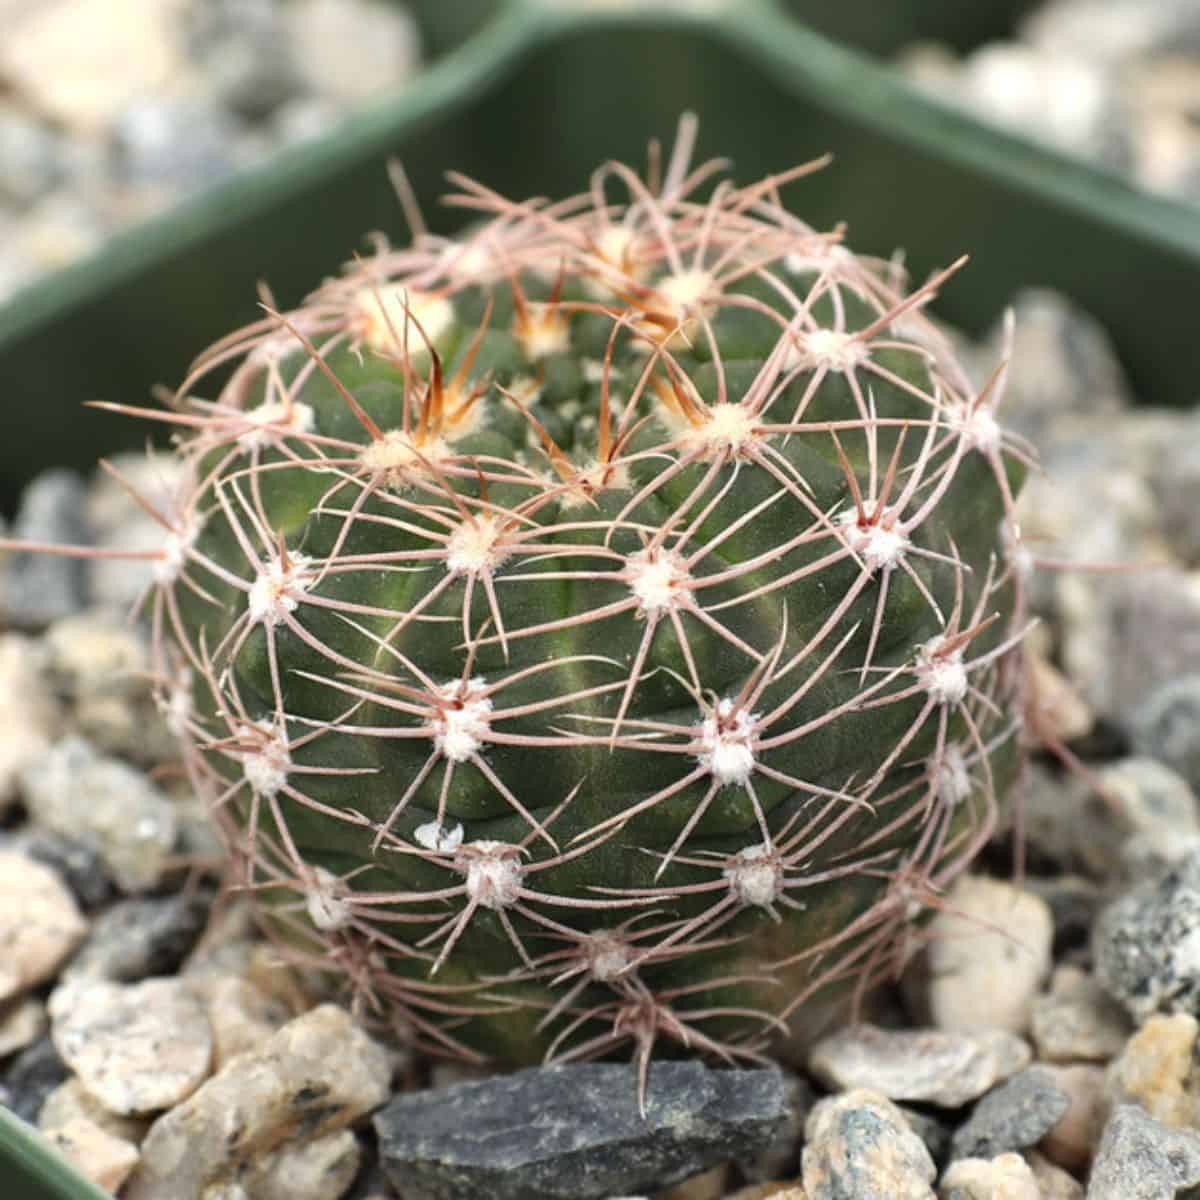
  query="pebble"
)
[
  {"x": 1072, "y": 1142},
  {"x": 780, "y": 1156},
  {"x": 351, "y": 52},
  {"x": 320, "y": 1168},
  {"x": 1176, "y": 486},
  {"x": 1141, "y": 1159},
  {"x": 76, "y": 863},
  {"x": 1074, "y": 902},
  {"x": 1146, "y": 944},
  {"x": 1077, "y": 1020},
  {"x": 136, "y": 1048},
  {"x": 40, "y": 588},
  {"x": 71, "y": 1101},
  {"x": 1053, "y": 1182},
  {"x": 1155, "y": 1070},
  {"x": 947, "y": 1068},
  {"x": 1005, "y": 1177},
  {"x": 1055, "y": 98},
  {"x": 29, "y": 151},
  {"x": 1155, "y": 812},
  {"x": 708, "y": 1185},
  {"x": 859, "y": 1145},
  {"x": 1063, "y": 368},
  {"x": 317, "y": 1075},
  {"x": 104, "y": 53},
  {"x": 101, "y": 665},
  {"x": 29, "y": 714},
  {"x": 988, "y": 951},
  {"x": 143, "y": 936},
  {"x": 1012, "y": 1116},
  {"x": 590, "y": 1140},
  {"x": 1126, "y": 641},
  {"x": 133, "y": 825},
  {"x": 1114, "y": 30},
  {"x": 98, "y": 1155},
  {"x": 172, "y": 143},
  {"x": 243, "y": 1017},
  {"x": 22, "y": 1022},
  {"x": 1167, "y": 725},
  {"x": 31, "y": 1077},
  {"x": 40, "y": 924}
]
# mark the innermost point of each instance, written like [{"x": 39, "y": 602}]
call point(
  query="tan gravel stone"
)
[
  {"x": 40, "y": 924},
  {"x": 136, "y": 1048},
  {"x": 313, "y": 1078}
]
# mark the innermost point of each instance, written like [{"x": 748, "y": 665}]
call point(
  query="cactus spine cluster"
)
[{"x": 597, "y": 628}]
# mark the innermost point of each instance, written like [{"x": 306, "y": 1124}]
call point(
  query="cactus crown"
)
[{"x": 596, "y": 628}]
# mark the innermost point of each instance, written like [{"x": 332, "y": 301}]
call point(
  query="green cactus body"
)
[{"x": 597, "y": 629}]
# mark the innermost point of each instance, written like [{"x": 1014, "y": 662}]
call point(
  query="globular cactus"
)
[{"x": 597, "y": 628}]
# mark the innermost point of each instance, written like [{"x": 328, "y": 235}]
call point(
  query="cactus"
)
[{"x": 596, "y": 629}]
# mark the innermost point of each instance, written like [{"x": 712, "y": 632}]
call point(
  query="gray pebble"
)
[
  {"x": 1011, "y": 1117},
  {"x": 36, "y": 589},
  {"x": 1077, "y": 1020},
  {"x": 29, "y": 151},
  {"x": 176, "y": 144},
  {"x": 859, "y": 1147},
  {"x": 1176, "y": 486},
  {"x": 139, "y": 937},
  {"x": 1146, "y": 944},
  {"x": 1141, "y": 1159},
  {"x": 1167, "y": 725},
  {"x": 575, "y": 1131},
  {"x": 77, "y": 863},
  {"x": 115, "y": 807},
  {"x": 31, "y": 1077}
]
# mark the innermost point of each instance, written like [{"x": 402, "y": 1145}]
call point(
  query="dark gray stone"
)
[
  {"x": 140, "y": 938},
  {"x": 933, "y": 1132},
  {"x": 1141, "y": 1159},
  {"x": 1146, "y": 944},
  {"x": 77, "y": 863},
  {"x": 1012, "y": 1116},
  {"x": 39, "y": 588},
  {"x": 31, "y": 1077},
  {"x": 575, "y": 1131},
  {"x": 1167, "y": 725}
]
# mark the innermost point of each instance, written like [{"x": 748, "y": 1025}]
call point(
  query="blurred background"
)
[{"x": 113, "y": 110}]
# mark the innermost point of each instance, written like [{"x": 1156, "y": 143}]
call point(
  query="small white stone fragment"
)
[
  {"x": 136, "y": 1048},
  {"x": 435, "y": 836},
  {"x": 316, "y": 1076},
  {"x": 40, "y": 923}
]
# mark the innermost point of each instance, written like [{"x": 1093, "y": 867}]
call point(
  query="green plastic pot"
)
[{"x": 529, "y": 95}]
